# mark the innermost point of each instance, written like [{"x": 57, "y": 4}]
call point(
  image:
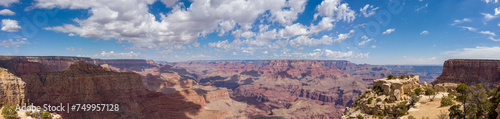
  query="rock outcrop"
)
[
  {"x": 84, "y": 83},
  {"x": 11, "y": 88},
  {"x": 383, "y": 98},
  {"x": 470, "y": 72}
]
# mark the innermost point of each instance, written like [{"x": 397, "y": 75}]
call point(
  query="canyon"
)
[{"x": 214, "y": 89}]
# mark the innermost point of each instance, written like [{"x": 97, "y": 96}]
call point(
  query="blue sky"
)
[{"x": 373, "y": 32}]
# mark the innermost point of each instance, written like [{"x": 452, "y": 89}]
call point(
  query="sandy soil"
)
[{"x": 426, "y": 108}]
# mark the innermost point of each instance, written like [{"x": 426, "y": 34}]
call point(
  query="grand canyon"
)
[
  {"x": 208, "y": 89},
  {"x": 249, "y": 59}
]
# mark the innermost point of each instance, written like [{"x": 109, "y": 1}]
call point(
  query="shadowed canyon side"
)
[
  {"x": 470, "y": 72},
  {"x": 85, "y": 83}
]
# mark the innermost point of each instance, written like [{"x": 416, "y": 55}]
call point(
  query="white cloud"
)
[
  {"x": 498, "y": 24},
  {"x": 7, "y": 12},
  {"x": 70, "y": 49},
  {"x": 479, "y": 52},
  {"x": 374, "y": 46},
  {"x": 487, "y": 33},
  {"x": 423, "y": 7},
  {"x": 329, "y": 54},
  {"x": 287, "y": 16},
  {"x": 306, "y": 41},
  {"x": 131, "y": 20},
  {"x": 112, "y": 54},
  {"x": 10, "y": 25},
  {"x": 425, "y": 32},
  {"x": 468, "y": 28},
  {"x": 71, "y": 34},
  {"x": 388, "y": 31},
  {"x": 492, "y": 1},
  {"x": 488, "y": 16},
  {"x": 367, "y": 13},
  {"x": 169, "y": 3},
  {"x": 16, "y": 42},
  {"x": 458, "y": 21},
  {"x": 6, "y": 3},
  {"x": 365, "y": 41},
  {"x": 342, "y": 37},
  {"x": 335, "y": 10}
]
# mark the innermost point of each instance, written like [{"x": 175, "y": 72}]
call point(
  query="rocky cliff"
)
[
  {"x": 61, "y": 63},
  {"x": 84, "y": 83},
  {"x": 470, "y": 72},
  {"x": 21, "y": 66},
  {"x": 11, "y": 88}
]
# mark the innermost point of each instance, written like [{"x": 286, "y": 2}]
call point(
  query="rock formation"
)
[
  {"x": 383, "y": 98},
  {"x": 470, "y": 72},
  {"x": 11, "y": 88},
  {"x": 84, "y": 83},
  {"x": 20, "y": 66}
]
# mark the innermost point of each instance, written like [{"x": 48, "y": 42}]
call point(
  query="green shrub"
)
[
  {"x": 46, "y": 115},
  {"x": 360, "y": 117},
  {"x": 445, "y": 101},
  {"x": 379, "y": 115},
  {"x": 9, "y": 112},
  {"x": 418, "y": 91},
  {"x": 443, "y": 115},
  {"x": 414, "y": 99},
  {"x": 455, "y": 112},
  {"x": 411, "y": 75},
  {"x": 391, "y": 77},
  {"x": 429, "y": 91},
  {"x": 411, "y": 117},
  {"x": 369, "y": 100},
  {"x": 403, "y": 76}
]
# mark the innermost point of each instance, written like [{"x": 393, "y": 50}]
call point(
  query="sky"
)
[{"x": 380, "y": 32}]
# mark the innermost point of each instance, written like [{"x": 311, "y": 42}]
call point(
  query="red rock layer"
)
[
  {"x": 470, "y": 71},
  {"x": 85, "y": 83},
  {"x": 20, "y": 66}
]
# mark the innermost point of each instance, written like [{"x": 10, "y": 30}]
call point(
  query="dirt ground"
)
[{"x": 426, "y": 108}]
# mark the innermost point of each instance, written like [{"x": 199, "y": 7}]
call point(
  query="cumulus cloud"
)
[
  {"x": 131, "y": 21},
  {"x": 459, "y": 21},
  {"x": 335, "y": 10},
  {"x": 306, "y": 41},
  {"x": 388, "y": 31},
  {"x": 425, "y": 32},
  {"x": 342, "y": 37},
  {"x": 366, "y": 12},
  {"x": 479, "y": 52},
  {"x": 7, "y": 3},
  {"x": 10, "y": 25},
  {"x": 7, "y": 12},
  {"x": 365, "y": 41},
  {"x": 169, "y": 3},
  {"x": 287, "y": 16},
  {"x": 16, "y": 42}
]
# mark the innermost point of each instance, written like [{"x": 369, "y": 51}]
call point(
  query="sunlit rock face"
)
[{"x": 470, "y": 72}]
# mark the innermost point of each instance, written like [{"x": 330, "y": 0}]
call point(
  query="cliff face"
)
[
  {"x": 11, "y": 88},
  {"x": 470, "y": 72},
  {"x": 20, "y": 66},
  {"x": 61, "y": 63},
  {"x": 88, "y": 84}
]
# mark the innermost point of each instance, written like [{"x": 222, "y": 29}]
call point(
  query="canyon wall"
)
[
  {"x": 84, "y": 83},
  {"x": 11, "y": 88},
  {"x": 470, "y": 72}
]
